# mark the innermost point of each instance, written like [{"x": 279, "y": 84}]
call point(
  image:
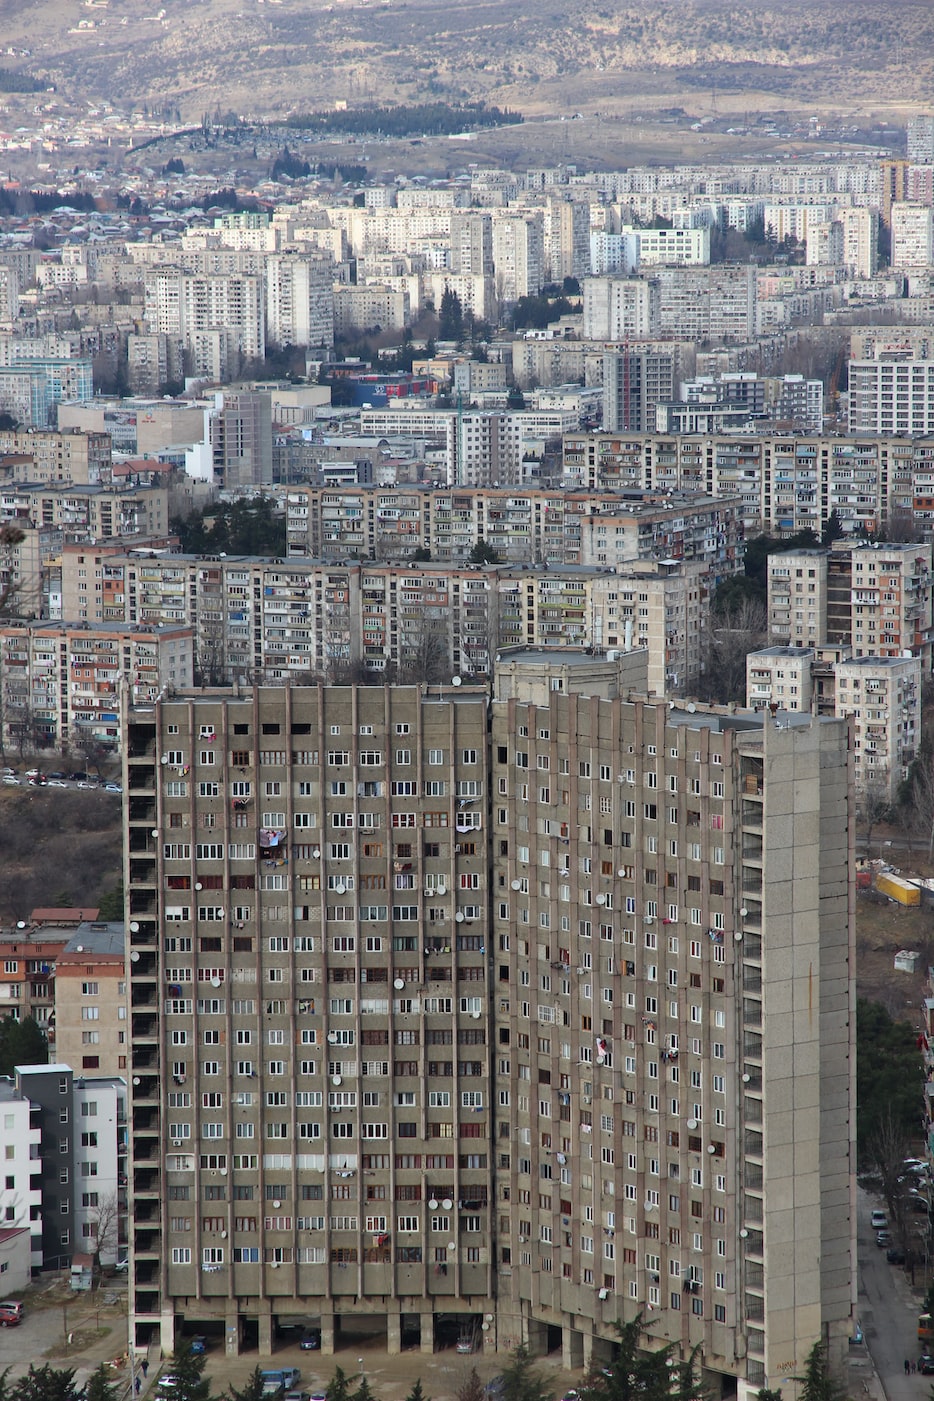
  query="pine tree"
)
[
  {"x": 521, "y": 1381},
  {"x": 251, "y": 1391},
  {"x": 46, "y": 1384},
  {"x": 101, "y": 1385},
  {"x": 416, "y": 1394},
  {"x": 338, "y": 1388},
  {"x": 818, "y": 1382},
  {"x": 190, "y": 1382}
]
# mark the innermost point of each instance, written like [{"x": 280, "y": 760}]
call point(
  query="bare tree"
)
[
  {"x": 875, "y": 806},
  {"x": 730, "y": 637},
  {"x": 10, "y": 537},
  {"x": 105, "y": 1221},
  {"x": 424, "y": 654}
]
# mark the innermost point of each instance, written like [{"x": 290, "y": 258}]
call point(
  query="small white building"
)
[{"x": 21, "y": 1185}]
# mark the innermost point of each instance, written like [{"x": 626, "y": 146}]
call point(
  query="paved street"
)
[{"x": 888, "y": 1311}]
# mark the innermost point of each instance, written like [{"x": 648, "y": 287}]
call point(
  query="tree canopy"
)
[
  {"x": 240, "y": 528},
  {"x": 636, "y": 1374},
  {"x": 21, "y": 1043},
  {"x": 888, "y": 1074}
]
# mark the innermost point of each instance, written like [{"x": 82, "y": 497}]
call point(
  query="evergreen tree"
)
[
  {"x": 766, "y": 1394},
  {"x": 363, "y": 1391},
  {"x": 637, "y": 1375},
  {"x": 471, "y": 1388},
  {"x": 101, "y": 1386},
  {"x": 521, "y": 1380},
  {"x": 818, "y": 1382},
  {"x": 483, "y": 553},
  {"x": 451, "y": 316},
  {"x": 416, "y": 1394},
  {"x": 832, "y": 529},
  {"x": 46, "y": 1383},
  {"x": 21, "y": 1043},
  {"x": 188, "y": 1369},
  {"x": 251, "y": 1391},
  {"x": 338, "y": 1388}
]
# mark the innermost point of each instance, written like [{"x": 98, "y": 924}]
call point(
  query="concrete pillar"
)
[
  {"x": 427, "y": 1343},
  {"x": 167, "y": 1332},
  {"x": 232, "y": 1333},
  {"x": 327, "y": 1334},
  {"x": 393, "y": 1333},
  {"x": 264, "y": 1321},
  {"x": 537, "y": 1337},
  {"x": 587, "y": 1342},
  {"x": 572, "y": 1349}
]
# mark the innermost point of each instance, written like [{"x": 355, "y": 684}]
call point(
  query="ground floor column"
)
[
  {"x": 327, "y": 1334},
  {"x": 233, "y": 1332}
]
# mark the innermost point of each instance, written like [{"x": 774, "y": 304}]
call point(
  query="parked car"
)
[
  {"x": 113, "y": 788},
  {"x": 895, "y": 1255},
  {"x": 56, "y": 783},
  {"x": 199, "y": 1344},
  {"x": 926, "y": 1364},
  {"x": 79, "y": 776},
  {"x": 11, "y": 1313},
  {"x": 878, "y": 1220},
  {"x": 310, "y": 1340},
  {"x": 884, "y": 1238},
  {"x": 56, "y": 773},
  {"x": 11, "y": 779}
]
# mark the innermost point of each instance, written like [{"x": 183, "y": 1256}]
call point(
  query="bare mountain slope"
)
[{"x": 261, "y": 56}]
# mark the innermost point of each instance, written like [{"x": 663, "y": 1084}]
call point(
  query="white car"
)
[
  {"x": 56, "y": 783},
  {"x": 9, "y": 778}
]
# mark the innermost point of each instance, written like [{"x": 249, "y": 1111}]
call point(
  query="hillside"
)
[
  {"x": 59, "y": 848},
  {"x": 251, "y": 56}
]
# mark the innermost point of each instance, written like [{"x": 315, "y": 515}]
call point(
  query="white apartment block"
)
[
  {"x": 715, "y": 303},
  {"x": 488, "y": 449},
  {"x": 299, "y": 300},
  {"x": 860, "y": 226},
  {"x": 678, "y": 247},
  {"x": 566, "y": 234},
  {"x": 518, "y": 254},
  {"x": 471, "y": 237},
  {"x": 892, "y": 396},
  {"x": 921, "y": 139},
  {"x": 21, "y": 1192},
  {"x": 179, "y": 303},
  {"x": 825, "y": 243},
  {"x": 615, "y": 308},
  {"x": 912, "y": 235},
  {"x": 99, "y": 1107}
]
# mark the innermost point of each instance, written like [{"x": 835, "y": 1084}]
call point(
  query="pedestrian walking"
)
[
  {"x": 145, "y": 1366},
  {"x": 137, "y": 1384},
  {"x": 907, "y": 1367},
  {"x": 914, "y": 1368}
]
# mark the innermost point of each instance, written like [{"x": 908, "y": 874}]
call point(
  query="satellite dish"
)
[
  {"x": 215, "y": 982},
  {"x": 337, "y": 1079},
  {"x": 433, "y": 1205},
  {"x": 516, "y": 884},
  {"x": 198, "y": 885},
  {"x": 134, "y": 926},
  {"x": 691, "y": 707},
  {"x": 21, "y": 924},
  {"x": 692, "y": 1123},
  {"x": 452, "y": 1245},
  {"x": 455, "y": 680},
  {"x": 79, "y": 948},
  {"x": 447, "y": 1203},
  {"x": 460, "y": 917},
  {"x": 601, "y": 899},
  {"x": 398, "y": 983},
  {"x": 135, "y": 1079},
  {"x": 134, "y": 957}
]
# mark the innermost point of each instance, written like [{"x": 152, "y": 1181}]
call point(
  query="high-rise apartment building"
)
[
  {"x": 299, "y": 300},
  {"x": 590, "y": 1055},
  {"x": 518, "y": 253},
  {"x": 616, "y": 308},
  {"x": 634, "y": 383},
  {"x": 912, "y": 235}
]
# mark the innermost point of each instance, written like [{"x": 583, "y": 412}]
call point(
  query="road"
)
[{"x": 888, "y": 1311}]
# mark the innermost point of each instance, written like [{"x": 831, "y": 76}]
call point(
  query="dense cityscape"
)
[{"x": 546, "y": 553}]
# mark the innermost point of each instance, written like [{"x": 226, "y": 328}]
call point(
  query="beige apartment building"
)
[
  {"x": 635, "y": 925},
  {"x": 876, "y": 599},
  {"x": 60, "y": 683},
  {"x": 91, "y": 1001}
]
